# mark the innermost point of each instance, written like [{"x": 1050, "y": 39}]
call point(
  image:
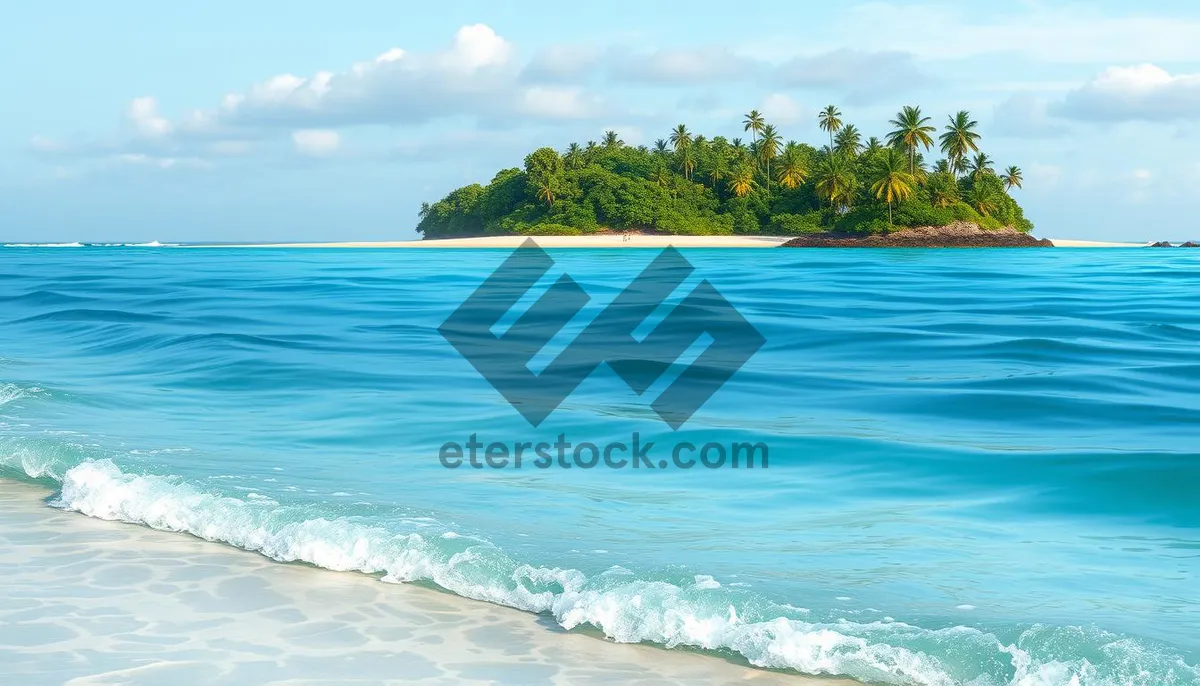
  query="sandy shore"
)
[
  {"x": 608, "y": 241},
  {"x": 86, "y": 601},
  {"x": 600, "y": 241},
  {"x": 1069, "y": 243}
]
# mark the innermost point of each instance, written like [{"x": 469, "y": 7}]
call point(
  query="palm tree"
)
[
  {"x": 574, "y": 156},
  {"x": 687, "y": 161},
  {"x": 942, "y": 166},
  {"x": 661, "y": 176},
  {"x": 984, "y": 194},
  {"x": 681, "y": 138},
  {"x": 660, "y": 147},
  {"x": 981, "y": 165},
  {"x": 920, "y": 169},
  {"x": 742, "y": 183},
  {"x": 835, "y": 180},
  {"x": 958, "y": 139},
  {"x": 1012, "y": 178},
  {"x": 793, "y": 169},
  {"x": 943, "y": 189},
  {"x": 720, "y": 168},
  {"x": 911, "y": 130},
  {"x": 874, "y": 147},
  {"x": 830, "y": 120},
  {"x": 892, "y": 183},
  {"x": 612, "y": 141},
  {"x": 768, "y": 149},
  {"x": 548, "y": 189},
  {"x": 848, "y": 141},
  {"x": 754, "y": 123}
]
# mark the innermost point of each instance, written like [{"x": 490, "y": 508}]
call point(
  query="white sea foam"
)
[
  {"x": 10, "y": 392},
  {"x": 150, "y": 244},
  {"x": 624, "y": 607},
  {"x": 43, "y": 245}
]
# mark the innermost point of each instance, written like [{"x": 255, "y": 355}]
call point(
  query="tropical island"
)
[{"x": 688, "y": 184}]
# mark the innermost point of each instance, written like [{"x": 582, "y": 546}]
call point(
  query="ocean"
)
[{"x": 983, "y": 464}]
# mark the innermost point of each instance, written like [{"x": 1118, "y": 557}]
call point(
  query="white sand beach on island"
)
[
  {"x": 87, "y": 601},
  {"x": 1071, "y": 243},
  {"x": 607, "y": 241},
  {"x": 594, "y": 241}
]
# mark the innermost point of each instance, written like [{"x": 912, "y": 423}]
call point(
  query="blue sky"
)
[{"x": 140, "y": 121}]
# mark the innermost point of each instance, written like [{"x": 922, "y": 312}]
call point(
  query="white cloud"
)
[
  {"x": 1071, "y": 34},
  {"x": 316, "y": 142},
  {"x": 390, "y": 56},
  {"x": 476, "y": 47},
  {"x": 143, "y": 114},
  {"x": 782, "y": 109},
  {"x": 684, "y": 66},
  {"x": 1141, "y": 175},
  {"x": 557, "y": 103},
  {"x": 476, "y": 76},
  {"x": 1143, "y": 92}
]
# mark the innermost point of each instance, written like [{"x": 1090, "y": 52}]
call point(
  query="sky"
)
[{"x": 305, "y": 121}]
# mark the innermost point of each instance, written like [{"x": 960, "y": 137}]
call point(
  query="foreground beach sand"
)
[
  {"x": 87, "y": 601},
  {"x": 607, "y": 241}
]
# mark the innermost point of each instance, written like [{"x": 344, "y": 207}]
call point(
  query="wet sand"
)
[{"x": 87, "y": 601}]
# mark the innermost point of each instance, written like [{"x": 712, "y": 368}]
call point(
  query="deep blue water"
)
[{"x": 983, "y": 463}]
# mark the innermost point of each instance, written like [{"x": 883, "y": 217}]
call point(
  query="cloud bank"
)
[{"x": 1144, "y": 92}]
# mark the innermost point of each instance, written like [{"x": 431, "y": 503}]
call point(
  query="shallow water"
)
[{"x": 983, "y": 463}]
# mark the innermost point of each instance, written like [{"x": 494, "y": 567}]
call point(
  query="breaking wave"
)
[{"x": 670, "y": 612}]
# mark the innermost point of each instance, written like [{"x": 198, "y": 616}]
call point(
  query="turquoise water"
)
[{"x": 983, "y": 463}]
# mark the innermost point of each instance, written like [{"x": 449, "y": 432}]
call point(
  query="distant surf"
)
[{"x": 150, "y": 244}]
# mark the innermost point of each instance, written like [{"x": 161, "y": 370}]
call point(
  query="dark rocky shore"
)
[{"x": 957, "y": 235}]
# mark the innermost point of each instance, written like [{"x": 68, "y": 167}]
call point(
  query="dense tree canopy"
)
[{"x": 690, "y": 184}]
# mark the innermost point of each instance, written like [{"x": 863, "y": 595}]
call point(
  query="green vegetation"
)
[{"x": 690, "y": 184}]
